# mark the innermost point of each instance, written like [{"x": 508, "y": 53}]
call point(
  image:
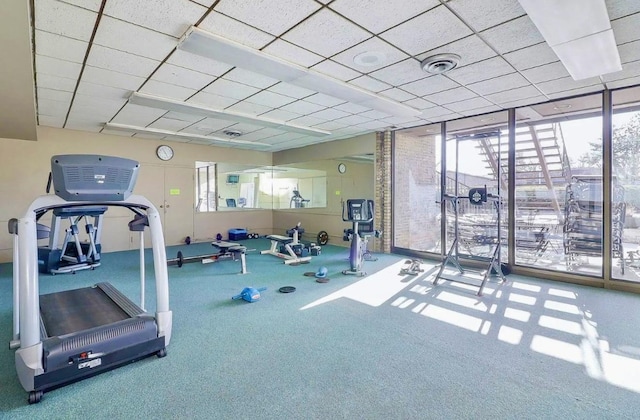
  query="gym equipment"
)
[
  {"x": 290, "y": 248},
  {"x": 297, "y": 201},
  {"x": 71, "y": 335},
  {"x": 250, "y": 294},
  {"x": 321, "y": 273},
  {"x": 287, "y": 289},
  {"x": 73, "y": 255},
  {"x": 583, "y": 221},
  {"x": 412, "y": 267},
  {"x": 323, "y": 238},
  {"x": 481, "y": 233},
  {"x": 228, "y": 250},
  {"x": 359, "y": 211}
]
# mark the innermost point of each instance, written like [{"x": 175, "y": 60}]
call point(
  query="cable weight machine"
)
[{"x": 481, "y": 229}]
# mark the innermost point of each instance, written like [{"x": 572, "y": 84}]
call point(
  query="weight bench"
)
[
  {"x": 227, "y": 251},
  {"x": 287, "y": 243}
]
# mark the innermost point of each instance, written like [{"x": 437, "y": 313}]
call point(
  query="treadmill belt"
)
[{"x": 77, "y": 310}]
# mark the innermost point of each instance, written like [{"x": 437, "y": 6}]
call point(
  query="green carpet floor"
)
[{"x": 384, "y": 346}]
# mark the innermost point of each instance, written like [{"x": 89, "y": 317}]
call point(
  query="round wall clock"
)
[
  {"x": 164, "y": 152},
  {"x": 342, "y": 168}
]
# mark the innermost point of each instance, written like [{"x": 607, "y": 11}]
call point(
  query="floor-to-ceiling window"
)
[
  {"x": 558, "y": 185},
  {"x": 625, "y": 185}
]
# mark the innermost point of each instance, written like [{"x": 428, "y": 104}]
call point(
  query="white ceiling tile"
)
[
  {"x": 291, "y": 90},
  {"x": 234, "y": 30},
  {"x": 499, "y": 84},
  {"x": 326, "y": 33},
  {"x": 198, "y": 63},
  {"x": 54, "y": 95},
  {"x": 377, "y": 16},
  {"x": 190, "y": 118},
  {"x": 61, "y": 47},
  {"x": 419, "y": 103},
  {"x": 514, "y": 94},
  {"x": 122, "y": 62},
  {"x": 429, "y": 85},
  {"x": 231, "y": 89},
  {"x": 308, "y": 120},
  {"x": 626, "y": 29},
  {"x": 99, "y": 107},
  {"x": 524, "y": 101},
  {"x": 171, "y": 17},
  {"x": 208, "y": 126},
  {"x": 55, "y": 67},
  {"x": 55, "y": 82},
  {"x": 284, "y": 137},
  {"x": 249, "y": 108},
  {"x": 180, "y": 76},
  {"x": 137, "y": 115},
  {"x": 111, "y": 78},
  {"x": 451, "y": 95},
  {"x": 479, "y": 111},
  {"x": 369, "y": 84},
  {"x": 335, "y": 70},
  {"x": 169, "y": 124},
  {"x": 281, "y": 114},
  {"x": 373, "y": 125},
  {"x": 102, "y": 91},
  {"x": 114, "y": 33},
  {"x": 303, "y": 107},
  {"x": 244, "y": 128},
  {"x": 470, "y": 49},
  {"x": 261, "y": 134},
  {"x": 351, "y": 120},
  {"x": 116, "y": 133},
  {"x": 401, "y": 120},
  {"x": 628, "y": 70},
  {"x": 629, "y": 51},
  {"x": 292, "y": 53},
  {"x": 330, "y": 126},
  {"x": 351, "y": 108},
  {"x": 211, "y": 100},
  {"x": 435, "y": 113},
  {"x": 322, "y": 99},
  {"x": 513, "y": 35},
  {"x": 620, "y": 8},
  {"x": 387, "y": 55},
  {"x": 55, "y": 17},
  {"x": 53, "y": 108},
  {"x": 270, "y": 99},
  {"x": 49, "y": 121},
  {"x": 566, "y": 84},
  {"x": 84, "y": 123},
  {"x": 250, "y": 78},
  {"x": 93, "y": 5},
  {"x": 624, "y": 83},
  {"x": 273, "y": 16},
  {"x": 546, "y": 72},
  {"x": 329, "y": 114},
  {"x": 575, "y": 92},
  {"x": 481, "y": 70},
  {"x": 166, "y": 90},
  {"x": 533, "y": 56},
  {"x": 481, "y": 15},
  {"x": 397, "y": 94},
  {"x": 375, "y": 114},
  {"x": 400, "y": 73},
  {"x": 413, "y": 37}
]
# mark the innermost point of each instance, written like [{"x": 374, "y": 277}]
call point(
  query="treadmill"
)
[{"x": 70, "y": 335}]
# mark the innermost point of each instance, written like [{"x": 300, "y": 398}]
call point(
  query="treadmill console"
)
[{"x": 93, "y": 177}]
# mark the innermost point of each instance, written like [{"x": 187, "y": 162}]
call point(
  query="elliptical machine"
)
[{"x": 358, "y": 211}]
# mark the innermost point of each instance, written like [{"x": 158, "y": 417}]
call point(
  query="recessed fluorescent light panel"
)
[
  {"x": 579, "y": 33},
  {"x": 212, "y": 46},
  {"x": 159, "y": 102},
  {"x": 148, "y": 130}
]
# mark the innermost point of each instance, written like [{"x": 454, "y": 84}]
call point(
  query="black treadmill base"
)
[{"x": 73, "y": 373}]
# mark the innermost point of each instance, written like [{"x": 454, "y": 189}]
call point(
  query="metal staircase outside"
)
[{"x": 542, "y": 166}]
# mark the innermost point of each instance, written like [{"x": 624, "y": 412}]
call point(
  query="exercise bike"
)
[{"x": 358, "y": 211}]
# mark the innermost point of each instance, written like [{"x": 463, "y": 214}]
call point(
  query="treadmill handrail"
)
[{"x": 28, "y": 288}]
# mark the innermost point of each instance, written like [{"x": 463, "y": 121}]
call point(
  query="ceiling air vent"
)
[
  {"x": 232, "y": 133},
  {"x": 440, "y": 63}
]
